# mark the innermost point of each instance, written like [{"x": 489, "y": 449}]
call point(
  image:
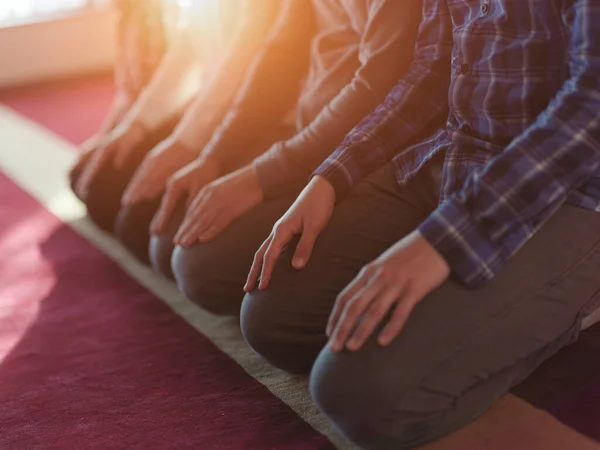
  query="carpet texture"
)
[
  {"x": 91, "y": 359},
  {"x": 72, "y": 109}
]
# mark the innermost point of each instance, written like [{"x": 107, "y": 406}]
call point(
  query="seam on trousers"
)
[
  {"x": 592, "y": 305},
  {"x": 567, "y": 271},
  {"x": 420, "y": 435},
  {"x": 544, "y": 288}
]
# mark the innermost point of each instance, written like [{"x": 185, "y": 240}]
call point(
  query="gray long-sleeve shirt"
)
[{"x": 336, "y": 60}]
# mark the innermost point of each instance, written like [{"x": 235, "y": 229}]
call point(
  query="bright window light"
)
[{"x": 16, "y": 11}]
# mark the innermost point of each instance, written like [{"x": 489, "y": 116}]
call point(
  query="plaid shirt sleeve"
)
[
  {"x": 505, "y": 203},
  {"x": 418, "y": 99}
]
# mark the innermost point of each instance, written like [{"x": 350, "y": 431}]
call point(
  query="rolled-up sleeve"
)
[
  {"x": 419, "y": 99},
  {"x": 385, "y": 52}
]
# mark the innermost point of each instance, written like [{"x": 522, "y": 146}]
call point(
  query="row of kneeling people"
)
[{"x": 395, "y": 184}]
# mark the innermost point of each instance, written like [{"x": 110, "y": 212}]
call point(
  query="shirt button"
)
[
  {"x": 451, "y": 123},
  {"x": 464, "y": 68},
  {"x": 485, "y": 8}
]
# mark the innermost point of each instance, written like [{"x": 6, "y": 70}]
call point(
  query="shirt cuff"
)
[
  {"x": 334, "y": 172},
  {"x": 462, "y": 241}
]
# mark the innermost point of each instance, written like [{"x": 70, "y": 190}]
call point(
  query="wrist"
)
[
  {"x": 253, "y": 182},
  {"x": 121, "y": 104},
  {"x": 181, "y": 147},
  {"x": 138, "y": 129},
  {"x": 336, "y": 177},
  {"x": 211, "y": 164},
  {"x": 324, "y": 186},
  {"x": 184, "y": 141}
]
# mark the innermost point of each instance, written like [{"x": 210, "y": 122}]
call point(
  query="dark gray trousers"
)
[
  {"x": 129, "y": 224},
  {"x": 161, "y": 247},
  {"x": 460, "y": 349}
]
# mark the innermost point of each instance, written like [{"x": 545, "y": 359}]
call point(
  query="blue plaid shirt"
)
[{"x": 518, "y": 84}]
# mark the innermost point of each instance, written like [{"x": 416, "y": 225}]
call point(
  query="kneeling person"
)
[
  {"x": 173, "y": 117},
  {"x": 358, "y": 49},
  {"x": 427, "y": 280}
]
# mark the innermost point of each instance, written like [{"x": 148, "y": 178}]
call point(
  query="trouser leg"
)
[
  {"x": 162, "y": 248},
  {"x": 213, "y": 274},
  {"x": 460, "y": 349},
  {"x": 103, "y": 199},
  {"x": 286, "y": 322}
]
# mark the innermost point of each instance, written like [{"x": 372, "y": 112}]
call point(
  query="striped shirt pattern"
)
[{"x": 518, "y": 84}]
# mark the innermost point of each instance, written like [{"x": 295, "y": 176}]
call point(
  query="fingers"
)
[
  {"x": 194, "y": 222},
  {"x": 373, "y": 317},
  {"x": 345, "y": 296},
  {"x": 257, "y": 265},
  {"x": 353, "y": 310},
  {"x": 167, "y": 206},
  {"x": 218, "y": 225},
  {"x": 197, "y": 226},
  {"x": 399, "y": 318},
  {"x": 369, "y": 306},
  {"x": 282, "y": 237},
  {"x": 141, "y": 187},
  {"x": 304, "y": 248},
  {"x": 132, "y": 192}
]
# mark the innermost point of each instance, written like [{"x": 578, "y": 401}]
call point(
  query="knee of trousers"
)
[
  {"x": 201, "y": 275},
  {"x": 73, "y": 179},
  {"x": 132, "y": 228},
  {"x": 76, "y": 172},
  {"x": 269, "y": 330},
  {"x": 103, "y": 197},
  {"x": 375, "y": 406},
  {"x": 102, "y": 209},
  {"x": 162, "y": 247},
  {"x": 161, "y": 252}
]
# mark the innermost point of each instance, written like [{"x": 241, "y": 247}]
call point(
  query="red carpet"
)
[
  {"x": 72, "y": 109},
  {"x": 104, "y": 363},
  {"x": 107, "y": 365}
]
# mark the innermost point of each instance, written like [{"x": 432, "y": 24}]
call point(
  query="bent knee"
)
[
  {"x": 376, "y": 407},
  {"x": 160, "y": 252},
  {"x": 132, "y": 228},
  {"x": 161, "y": 246},
  {"x": 203, "y": 279},
  {"x": 277, "y": 333},
  {"x": 102, "y": 208}
]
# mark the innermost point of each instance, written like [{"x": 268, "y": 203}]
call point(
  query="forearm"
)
[
  {"x": 503, "y": 205},
  {"x": 412, "y": 108},
  {"x": 417, "y": 101},
  {"x": 386, "y": 51},
  {"x": 118, "y": 109},
  {"x": 173, "y": 85},
  {"x": 208, "y": 110},
  {"x": 271, "y": 88}
]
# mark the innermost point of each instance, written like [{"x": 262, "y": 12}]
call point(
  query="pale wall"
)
[{"x": 65, "y": 47}]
